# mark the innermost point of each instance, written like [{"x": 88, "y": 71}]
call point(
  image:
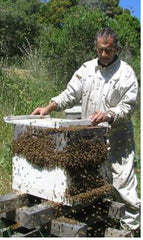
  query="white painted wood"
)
[
  {"x": 75, "y": 109},
  {"x": 38, "y": 181},
  {"x": 47, "y": 122}
]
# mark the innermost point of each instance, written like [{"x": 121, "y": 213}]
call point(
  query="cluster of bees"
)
[{"x": 80, "y": 156}]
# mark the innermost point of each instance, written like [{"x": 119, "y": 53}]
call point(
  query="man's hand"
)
[
  {"x": 99, "y": 117},
  {"x": 45, "y": 110},
  {"x": 40, "y": 111}
]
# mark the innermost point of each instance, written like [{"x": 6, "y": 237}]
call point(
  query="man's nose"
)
[{"x": 104, "y": 53}]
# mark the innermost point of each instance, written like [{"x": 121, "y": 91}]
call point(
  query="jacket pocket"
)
[{"x": 113, "y": 97}]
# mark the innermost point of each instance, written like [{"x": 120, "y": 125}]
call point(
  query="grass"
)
[
  {"x": 5, "y": 157},
  {"x": 137, "y": 137}
]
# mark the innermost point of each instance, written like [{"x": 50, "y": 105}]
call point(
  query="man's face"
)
[{"x": 106, "y": 50}]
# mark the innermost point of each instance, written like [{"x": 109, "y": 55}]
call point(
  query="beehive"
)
[
  {"x": 57, "y": 159},
  {"x": 74, "y": 112}
]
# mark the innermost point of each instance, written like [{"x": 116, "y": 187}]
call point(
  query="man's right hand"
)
[
  {"x": 40, "y": 111},
  {"x": 45, "y": 110}
]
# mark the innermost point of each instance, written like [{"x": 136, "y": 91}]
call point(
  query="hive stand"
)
[{"x": 27, "y": 216}]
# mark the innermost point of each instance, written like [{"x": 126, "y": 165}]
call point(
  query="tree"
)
[
  {"x": 18, "y": 22},
  {"x": 54, "y": 12},
  {"x": 109, "y": 7},
  {"x": 92, "y": 4},
  {"x": 128, "y": 28}
]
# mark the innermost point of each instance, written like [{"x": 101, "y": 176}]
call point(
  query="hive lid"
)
[
  {"x": 45, "y": 121},
  {"x": 75, "y": 109}
]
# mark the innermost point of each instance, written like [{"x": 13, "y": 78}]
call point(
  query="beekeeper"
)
[{"x": 108, "y": 89}]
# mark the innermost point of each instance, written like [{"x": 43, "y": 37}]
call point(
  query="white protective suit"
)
[{"x": 112, "y": 88}]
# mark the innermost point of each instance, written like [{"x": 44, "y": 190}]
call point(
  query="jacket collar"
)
[{"x": 112, "y": 65}]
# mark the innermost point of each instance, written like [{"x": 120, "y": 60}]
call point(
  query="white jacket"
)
[{"x": 100, "y": 89}]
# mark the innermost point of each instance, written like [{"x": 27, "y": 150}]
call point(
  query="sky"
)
[{"x": 133, "y": 6}]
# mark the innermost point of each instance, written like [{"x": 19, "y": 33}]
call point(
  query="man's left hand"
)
[{"x": 98, "y": 117}]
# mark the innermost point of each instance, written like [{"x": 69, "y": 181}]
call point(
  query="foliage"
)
[
  {"x": 128, "y": 28},
  {"x": 25, "y": 19},
  {"x": 110, "y": 7},
  {"x": 135, "y": 63},
  {"x": 91, "y": 4},
  {"x": 18, "y": 21},
  {"x": 2, "y": 226},
  {"x": 54, "y": 11},
  {"x": 24, "y": 93}
]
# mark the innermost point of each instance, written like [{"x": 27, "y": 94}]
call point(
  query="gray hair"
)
[{"x": 106, "y": 33}]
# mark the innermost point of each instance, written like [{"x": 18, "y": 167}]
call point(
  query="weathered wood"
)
[
  {"x": 13, "y": 200},
  {"x": 35, "y": 216},
  {"x": 112, "y": 232},
  {"x": 65, "y": 227}
]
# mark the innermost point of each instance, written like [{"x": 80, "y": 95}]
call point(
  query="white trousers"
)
[{"x": 121, "y": 159}]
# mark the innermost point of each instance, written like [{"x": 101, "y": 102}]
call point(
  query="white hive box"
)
[
  {"x": 74, "y": 112},
  {"x": 56, "y": 158}
]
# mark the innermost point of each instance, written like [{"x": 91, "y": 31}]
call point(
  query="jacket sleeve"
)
[
  {"x": 128, "y": 97},
  {"x": 73, "y": 92}
]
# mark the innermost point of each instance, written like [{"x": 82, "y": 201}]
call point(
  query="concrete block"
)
[
  {"x": 116, "y": 210},
  {"x": 13, "y": 200},
  {"x": 64, "y": 227},
  {"x": 35, "y": 216},
  {"x": 112, "y": 232}
]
